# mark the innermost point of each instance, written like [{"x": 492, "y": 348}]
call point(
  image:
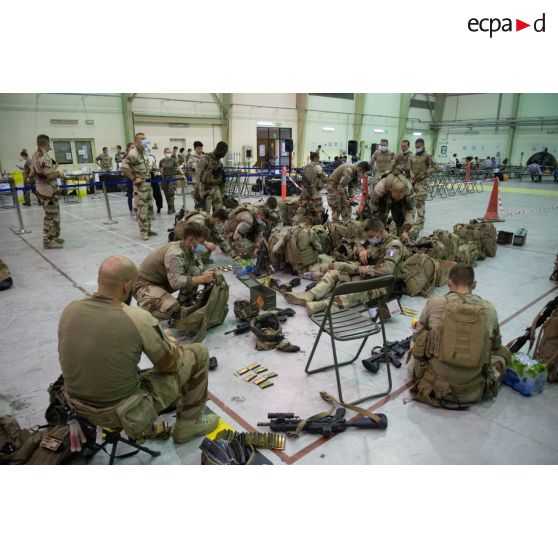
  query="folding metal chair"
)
[{"x": 350, "y": 324}]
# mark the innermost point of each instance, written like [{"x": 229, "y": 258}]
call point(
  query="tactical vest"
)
[
  {"x": 383, "y": 161},
  {"x": 419, "y": 163},
  {"x": 190, "y": 217},
  {"x": 299, "y": 252}
]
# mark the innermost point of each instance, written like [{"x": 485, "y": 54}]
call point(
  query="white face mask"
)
[
  {"x": 145, "y": 144},
  {"x": 383, "y": 148},
  {"x": 419, "y": 149}
]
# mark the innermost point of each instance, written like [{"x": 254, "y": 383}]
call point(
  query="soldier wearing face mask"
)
[
  {"x": 422, "y": 166},
  {"x": 137, "y": 167},
  {"x": 381, "y": 160},
  {"x": 170, "y": 169},
  {"x": 379, "y": 254},
  {"x": 175, "y": 266},
  {"x": 214, "y": 224},
  {"x": 341, "y": 185}
]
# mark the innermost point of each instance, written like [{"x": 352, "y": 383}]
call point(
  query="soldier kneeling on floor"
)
[
  {"x": 457, "y": 354},
  {"x": 101, "y": 375},
  {"x": 175, "y": 266}
]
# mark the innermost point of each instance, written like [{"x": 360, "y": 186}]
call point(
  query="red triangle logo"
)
[{"x": 519, "y": 25}]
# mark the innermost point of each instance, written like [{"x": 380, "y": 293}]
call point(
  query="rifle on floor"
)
[
  {"x": 396, "y": 350},
  {"x": 326, "y": 426},
  {"x": 529, "y": 334}
]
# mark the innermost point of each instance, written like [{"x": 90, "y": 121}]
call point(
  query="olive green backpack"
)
[
  {"x": 209, "y": 310},
  {"x": 468, "y": 253},
  {"x": 449, "y": 240},
  {"x": 323, "y": 236}
]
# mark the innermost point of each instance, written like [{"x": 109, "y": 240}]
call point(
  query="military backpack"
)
[
  {"x": 420, "y": 273},
  {"x": 289, "y": 209},
  {"x": 209, "y": 310},
  {"x": 468, "y": 253},
  {"x": 546, "y": 346},
  {"x": 323, "y": 236},
  {"x": 449, "y": 240}
]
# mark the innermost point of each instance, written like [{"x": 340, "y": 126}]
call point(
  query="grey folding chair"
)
[{"x": 350, "y": 324}]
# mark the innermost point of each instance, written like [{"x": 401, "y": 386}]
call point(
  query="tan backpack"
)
[
  {"x": 277, "y": 259},
  {"x": 449, "y": 240},
  {"x": 463, "y": 338},
  {"x": 468, "y": 253},
  {"x": 289, "y": 209},
  {"x": 489, "y": 236},
  {"x": 546, "y": 346},
  {"x": 471, "y": 233},
  {"x": 420, "y": 273}
]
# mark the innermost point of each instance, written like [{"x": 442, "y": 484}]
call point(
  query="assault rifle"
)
[
  {"x": 420, "y": 245},
  {"x": 396, "y": 350},
  {"x": 326, "y": 426},
  {"x": 239, "y": 329},
  {"x": 529, "y": 334}
]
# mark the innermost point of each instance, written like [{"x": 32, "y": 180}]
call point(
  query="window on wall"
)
[
  {"x": 68, "y": 151},
  {"x": 63, "y": 152},
  {"x": 84, "y": 152}
]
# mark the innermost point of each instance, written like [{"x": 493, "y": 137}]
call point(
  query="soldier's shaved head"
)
[{"x": 117, "y": 275}]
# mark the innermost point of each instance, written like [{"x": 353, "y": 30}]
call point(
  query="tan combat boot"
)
[
  {"x": 52, "y": 245},
  {"x": 317, "y": 306},
  {"x": 59, "y": 240},
  {"x": 187, "y": 429},
  {"x": 299, "y": 298}
]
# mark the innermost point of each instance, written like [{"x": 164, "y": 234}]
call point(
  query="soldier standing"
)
[
  {"x": 381, "y": 160},
  {"x": 402, "y": 161},
  {"x": 180, "y": 157},
  {"x": 193, "y": 160},
  {"x": 169, "y": 169},
  {"x": 28, "y": 178},
  {"x": 313, "y": 180},
  {"x": 422, "y": 165},
  {"x": 48, "y": 194},
  {"x": 210, "y": 176},
  {"x": 340, "y": 189},
  {"x": 104, "y": 160},
  {"x": 136, "y": 167}
]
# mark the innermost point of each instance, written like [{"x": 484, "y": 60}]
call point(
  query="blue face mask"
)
[
  {"x": 199, "y": 249},
  {"x": 259, "y": 221},
  {"x": 375, "y": 240},
  {"x": 145, "y": 143},
  {"x": 219, "y": 226}
]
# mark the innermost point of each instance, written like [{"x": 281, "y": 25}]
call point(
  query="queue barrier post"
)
[
  {"x": 110, "y": 221},
  {"x": 21, "y": 229}
]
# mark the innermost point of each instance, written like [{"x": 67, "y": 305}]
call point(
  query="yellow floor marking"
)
[{"x": 533, "y": 191}]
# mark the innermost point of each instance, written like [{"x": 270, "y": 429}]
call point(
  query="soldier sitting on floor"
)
[
  {"x": 386, "y": 253},
  {"x": 458, "y": 357}
]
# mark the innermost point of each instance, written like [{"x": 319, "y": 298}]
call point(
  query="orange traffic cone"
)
[{"x": 492, "y": 209}]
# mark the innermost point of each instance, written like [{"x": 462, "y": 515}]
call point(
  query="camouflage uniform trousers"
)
[
  {"x": 332, "y": 278},
  {"x": 27, "y": 193},
  {"x": 421, "y": 194},
  {"x": 340, "y": 207},
  {"x": 143, "y": 207},
  {"x": 186, "y": 388},
  {"x": 169, "y": 188},
  {"x": 51, "y": 223},
  {"x": 160, "y": 302},
  {"x": 213, "y": 199}
]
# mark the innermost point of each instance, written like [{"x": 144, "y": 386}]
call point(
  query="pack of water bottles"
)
[{"x": 525, "y": 375}]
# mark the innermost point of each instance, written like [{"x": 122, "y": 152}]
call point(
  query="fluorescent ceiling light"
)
[
  {"x": 328, "y": 129},
  {"x": 417, "y": 133},
  {"x": 265, "y": 123},
  {"x": 378, "y": 130}
]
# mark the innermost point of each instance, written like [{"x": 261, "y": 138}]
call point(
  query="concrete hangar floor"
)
[{"x": 509, "y": 430}]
